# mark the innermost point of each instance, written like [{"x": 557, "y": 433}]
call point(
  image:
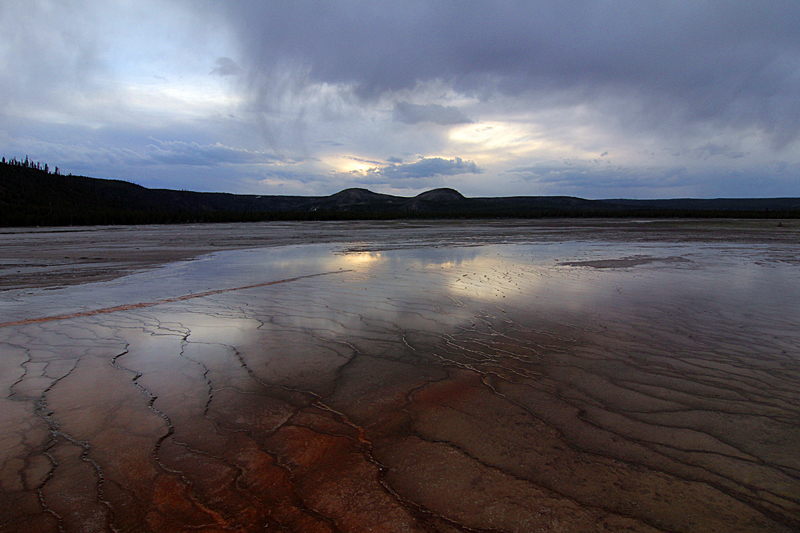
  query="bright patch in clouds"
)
[{"x": 597, "y": 99}]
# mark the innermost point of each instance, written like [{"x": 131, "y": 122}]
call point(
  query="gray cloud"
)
[
  {"x": 226, "y": 67},
  {"x": 194, "y": 154},
  {"x": 682, "y": 97},
  {"x": 47, "y": 57},
  {"x": 686, "y": 61},
  {"x": 427, "y": 172},
  {"x": 593, "y": 181},
  {"x": 580, "y": 178},
  {"x": 715, "y": 150},
  {"x": 362, "y": 160},
  {"x": 428, "y": 167},
  {"x": 409, "y": 113},
  {"x": 157, "y": 152}
]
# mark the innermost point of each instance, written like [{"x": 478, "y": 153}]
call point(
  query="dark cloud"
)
[
  {"x": 645, "y": 98},
  {"x": 715, "y": 150},
  {"x": 409, "y": 113},
  {"x": 427, "y": 172},
  {"x": 594, "y": 181},
  {"x": 226, "y": 67},
  {"x": 157, "y": 152},
  {"x": 733, "y": 63},
  {"x": 580, "y": 178},
  {"x": 428, "y": 167},
  {"x": 194, "y": 154},
  {"x": 362, "y": 160}
]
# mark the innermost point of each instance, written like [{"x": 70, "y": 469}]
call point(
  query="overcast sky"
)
[{"x": 597, "y": 99}]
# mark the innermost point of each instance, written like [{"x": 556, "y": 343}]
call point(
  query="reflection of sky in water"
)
[
  {"x": 674, "y": 347},
  {"x": 514, "y": 275}
]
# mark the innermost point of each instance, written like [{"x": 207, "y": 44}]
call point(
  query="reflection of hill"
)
[{"x": 29, "y": 196}]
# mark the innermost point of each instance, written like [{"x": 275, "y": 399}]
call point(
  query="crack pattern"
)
[{"x": 478, "y": 390}]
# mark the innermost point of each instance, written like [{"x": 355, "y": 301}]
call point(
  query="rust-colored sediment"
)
[{"x": 408, "y": 401}]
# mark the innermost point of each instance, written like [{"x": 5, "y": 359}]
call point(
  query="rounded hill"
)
[{"x": 443, "y": 194}]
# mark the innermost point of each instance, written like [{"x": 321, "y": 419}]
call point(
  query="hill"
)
[{"x": 32, "y": 196}]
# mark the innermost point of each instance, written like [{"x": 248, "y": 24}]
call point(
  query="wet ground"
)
[{"x": 473, "y": 376}]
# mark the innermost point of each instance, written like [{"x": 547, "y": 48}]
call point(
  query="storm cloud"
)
[
  {"x": 435, "y": 113},
  {"x": 592, "y": 98},
  {"x": 731, "y": 63},
  {"x": 429, "y": 167}
]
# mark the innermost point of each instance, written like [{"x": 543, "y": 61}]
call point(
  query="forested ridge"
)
[{"x": 35, "y": 194}]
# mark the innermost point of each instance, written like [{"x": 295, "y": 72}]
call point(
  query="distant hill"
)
[{"x": 32, "y": 196}]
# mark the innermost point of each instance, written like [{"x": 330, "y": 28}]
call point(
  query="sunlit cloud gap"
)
[{"x": 595, "y": 100}]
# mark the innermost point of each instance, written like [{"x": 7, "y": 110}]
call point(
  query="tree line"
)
[
  {"x": 30, "y": 163},
  {"x": 32, "y": 195}
]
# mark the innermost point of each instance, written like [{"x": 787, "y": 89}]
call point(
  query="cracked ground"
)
[{"x": 529, "y": 379}]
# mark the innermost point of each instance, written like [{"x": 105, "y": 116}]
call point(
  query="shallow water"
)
[{"x": 565, "y": 384}]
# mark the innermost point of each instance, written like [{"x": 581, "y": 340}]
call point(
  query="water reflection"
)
[
  {"x": 360, "y": 259},
  {"x": 500, "y": 387}
]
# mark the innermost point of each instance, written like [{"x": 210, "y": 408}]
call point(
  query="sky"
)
[{"x": 587, "y": 98}]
